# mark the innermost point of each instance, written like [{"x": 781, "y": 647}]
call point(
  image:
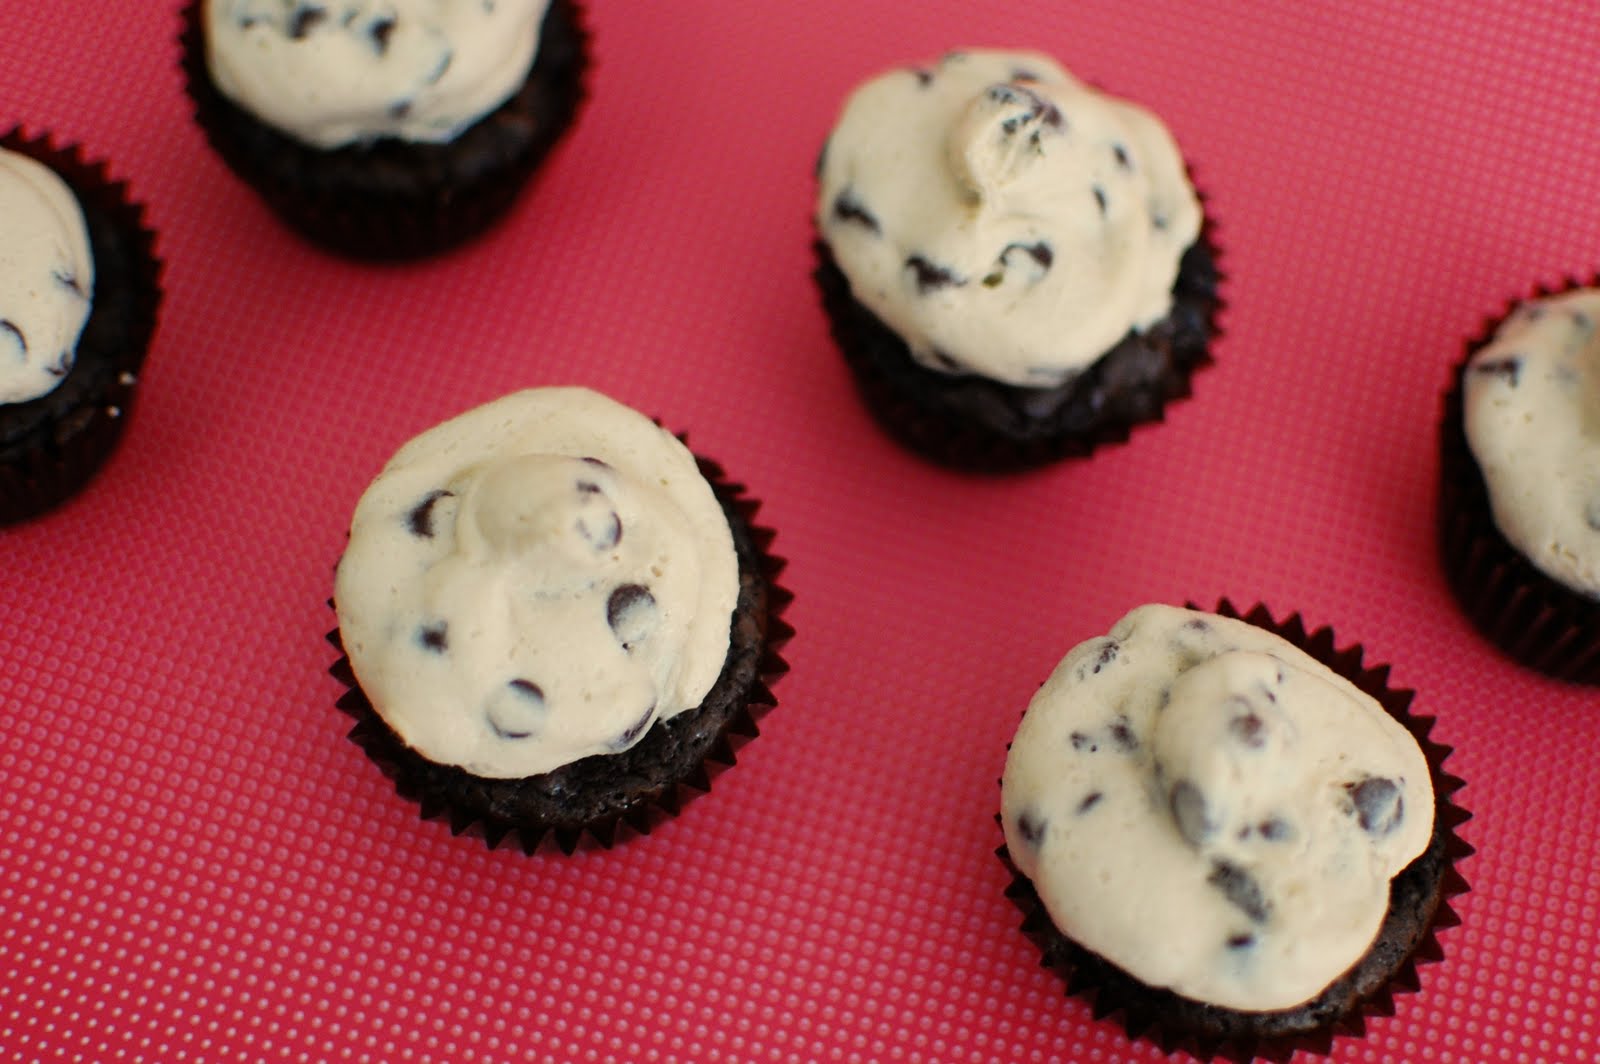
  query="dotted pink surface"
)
[{"x": 195, "y": 865}]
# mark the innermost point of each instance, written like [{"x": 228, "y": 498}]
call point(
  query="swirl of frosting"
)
[
  {"x": 1003, "y": 218},
  {"x": 1212, "y": 810},
  {"x": 1531, "y": 404},
  {"x": 46, "y": 278},
  {"x": 337, "y": 72},
  {"x": 536, "y": 581}
]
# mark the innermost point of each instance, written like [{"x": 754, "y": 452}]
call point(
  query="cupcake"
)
[
  {"x": 79, "y": 290},
  {"x": 555, "y": 618},
  {"x": 1016, "y": 266},
  {"x": 384, "y": 131},
  {"x": 1519, "y": 497},
  {"x": 1230, "y": 832}
]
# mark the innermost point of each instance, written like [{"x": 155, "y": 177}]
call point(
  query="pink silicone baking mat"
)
[{"x": 195, "y": 864}]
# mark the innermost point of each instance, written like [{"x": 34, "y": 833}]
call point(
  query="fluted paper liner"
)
[
  {"x": 50, "y": 447},
  {"x": 929, "y": 412},
  {"x": 392, "y": 199},
  {"x": 1419, "y": 895},
  {"x": 700, "y": 742},
  {"x": 1530, "y": 616}
]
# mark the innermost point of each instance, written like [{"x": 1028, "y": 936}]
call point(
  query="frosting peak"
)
[{"x": 1003, "y": 218}]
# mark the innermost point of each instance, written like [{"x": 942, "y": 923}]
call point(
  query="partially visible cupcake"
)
[
  {"x": 1230, "y": 832},
  {"x": 1519, "y": 500},
  {"x": 79, "y": 291},
  {"x": 385, "y": 131},
  {"x": 1016, "y": 266},
  {"x": 555, "y": 616}
]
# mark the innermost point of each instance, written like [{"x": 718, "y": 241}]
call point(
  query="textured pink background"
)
[{"x": 195, "y": 864}]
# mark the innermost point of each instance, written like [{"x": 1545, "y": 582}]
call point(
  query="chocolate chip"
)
[
  {"x": 420, "y": 519},
  {"x": 61, "y": 366},
  {"x": 846, "y": 208},
  {"x": 1510, "y": 368},
  {"x": 22, "y": 341},
  {"x": 68, "y": 281},
  {"x": 400, "y": 109},
  {"x": 1188, "y": 805},
  {"x": 595, "y": 461},
  {"x": 1108, "y": 654},
  {"x": 303, "y": 19},
  {"x": 1121, "y": 154},
  {"x": 1274, "y": 829},
  {"x": 1198, "y": 624},
  {"x": 602, "y": 534},
  {"x": 1240, "y": 889},
  {"x": 924, "y": 77},
  {"x": 1159, "y": 222},
  {"x": 1243, "y": 941},
  {"x": 1377, "y": 804},
  {"x": 1082, "y": 742},
  {"x": 930, "y": 276},
  {"x": 444, "y": 65},
  {"x": 1031, "y": 827},
  {"x": 1249, "y": 729},
  {"x": 530, "y": 697},
  {"x": 1100, "y": 199},
  {"x": 1090, "y": 800},
  {"x": 527, "y": 689},
  {"x": 1019, "y": 74},
  {"x": 634, "y": 730},
  {"x": 588, "y": 487},
  {"x": 946, "y": 361},
  {"x": 631, "y": 613},
  {"x": 380, "y": 30},
  {"x": 434, "y": 637},
  {"x": 1122, "y": 735}
]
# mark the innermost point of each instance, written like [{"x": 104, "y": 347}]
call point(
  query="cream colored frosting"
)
[
  {"x": 1212, "y": 810},
  {"x": 536, "y": 581},
  {"x": 337, "y": 72},
  {"x": 1531, "y": 402},
  {"x": 46, "y": 278},
  {"x": 1003, "y": 218}
]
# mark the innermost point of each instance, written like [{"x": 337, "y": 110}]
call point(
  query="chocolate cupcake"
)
[
  {"x": 1016, "y": 266},
  {"x": 79, "y": 291},
  {"x": 384, "y": 132},
  {"x": 1230, "y": 833},
  {"x": 557, "y": 619},
  {"x": 1519, "y": 484}
]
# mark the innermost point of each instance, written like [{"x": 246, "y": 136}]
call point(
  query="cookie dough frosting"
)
[
  {"x": 46, "y": 278},
  {"x": 337, "y": 72},
  {"x": 1531, "y": 402},
  {"x": 536, "y": 581},
  {"x": 1003, "y": 218},
  {"x": 1212, "y": 810}
]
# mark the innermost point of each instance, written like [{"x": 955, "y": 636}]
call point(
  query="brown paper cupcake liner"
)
[
  {"x": 1419, "y": 907},
  {"x": 600, "y": 796},
  {"x": 975, "y": 424},
  {"x": 394, "y": 200},
  {"x": 1532, "y": 618},
  {"x": 50, "y": 447}
]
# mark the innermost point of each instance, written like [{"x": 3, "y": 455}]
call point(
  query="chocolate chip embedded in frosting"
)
[
  {"x": 1275, "y": 829},
  {"x": 1090, "y": 800},
  {"x": 1031, "y": 828},
  {"x": 517, "y": 710},
  {"x": 380, "y": 31},
  {"x": 420, "y": 519},
  {"x": 1377, "y": 804},
  {"x": 1509, "y": 368},
  {"x": 11, "y": 328},
  {"x": 931, "y": 277},
  {"x": 634, "y": 730},
  {"x": 1248, "y": 729},
  {"x": 847, "y": 208},
  {"x": 602, "y": 531},
  {"x": 1120, "y": 153},
  {"x": 434, "y": 637},
  {"x": 304, "y": 19},
  {"x": 1122, "y": 735},
  {"x": 61, "y": 366},
  {"x": 1100, "y": 199},
  {"x": 1241, "y": 941},
  {"x": 1189, "y": 812},
  {"x": 1240, "y": 889},
  {"x": 631, "y": 613},
  {"x": 1082, "y": 742},
  {"x": 70, "y": 282}
]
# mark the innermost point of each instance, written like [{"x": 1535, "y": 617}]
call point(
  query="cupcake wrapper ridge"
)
[{"x": 1166, "y": 1019}]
